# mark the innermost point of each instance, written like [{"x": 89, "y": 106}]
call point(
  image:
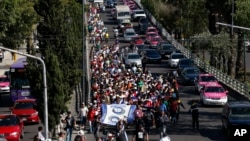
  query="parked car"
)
[
  {"x": 129, "y": 33},
  {"x": 150, "y": 35},
  {"x": 235, "y": 115},
  {"x": 152, "y": 56},
  {"x": 25, "y": 109},
  {"x": 142, "y": 21},
  {"x": 202, "y": 79},
  {"x": 213, "y": 93},
  {"x": 189, "y": 74},
  {"x": 183, "y": 63},
  {"x": 11, "y": 127},
  {"x": 165, "y": 49},
  {"x": 174, "y": 59},
  {"x": 154, "y": 41},
  {"x": 132, "y": 58},
  {"x": 4, "y": 84},
  {"x": 137, "y": 14}
]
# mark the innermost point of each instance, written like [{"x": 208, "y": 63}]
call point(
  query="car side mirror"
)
[{"x": 226, "y": 91}]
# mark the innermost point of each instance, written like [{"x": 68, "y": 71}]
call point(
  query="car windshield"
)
[
  {"x": 4, "y": 79},
  {"x": 139, "y": 12},
  {"x": 192, "y": 71},
  {"x": 214, "y": 89},
  {"x": 130, "y": 33},
  {"x": 167, "y": 47},
  {"x": 24, "y": 105},
  {"x": 240, "y": 112},
  {"x": 177, "y": 56},
  {"x": 185, "y": 62},
  {"x": 152, "y": 35},
  {"x": 152, "y": 52},
  {"x": 208, "y": 79},
  {"x": 8, "y": 121},
  {"x": 133, "y": 56},
  {"x": 155, "y": 39}
]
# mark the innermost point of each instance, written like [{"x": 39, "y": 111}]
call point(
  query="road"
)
[{"x": 210, "y": 125}]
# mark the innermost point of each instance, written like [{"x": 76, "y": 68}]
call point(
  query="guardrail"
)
[{"x": 234, "y": 84}]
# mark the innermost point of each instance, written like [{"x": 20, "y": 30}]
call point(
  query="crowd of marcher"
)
[{"x": 156, "y": 97}]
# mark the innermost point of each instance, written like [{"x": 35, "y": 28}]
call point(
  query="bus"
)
[
  {"x": 122, "y": 12},
  {"x": 19, "y": 84}
]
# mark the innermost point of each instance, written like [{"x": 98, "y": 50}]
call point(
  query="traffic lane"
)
[
  {"x": 209, "y": 120},
  {"x": 29, "y": 130}
]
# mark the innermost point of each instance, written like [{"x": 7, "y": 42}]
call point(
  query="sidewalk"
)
[{"x": 7, "y": 62}]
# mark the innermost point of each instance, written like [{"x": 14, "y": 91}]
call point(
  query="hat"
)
[{"x": 81, "y": 133}]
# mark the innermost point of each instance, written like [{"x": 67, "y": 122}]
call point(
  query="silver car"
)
[
  {"x": 133, "y": 58},
  {"x": 129, "y": 33},
  {"x": 174, "y": 59}
]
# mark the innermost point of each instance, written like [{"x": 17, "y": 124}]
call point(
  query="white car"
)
[
  {"x": 132, "y": 58},
  {"x": 174, "y": 59},
  {"x": 136, "y": 14},
  {"x": 128, "y": 34}
]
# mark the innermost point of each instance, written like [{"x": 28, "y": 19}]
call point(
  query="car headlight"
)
[
  {"x": 225, "y": 98},
  {"x": 14, "y": 134},
  {"x": 34, "y": 114}
]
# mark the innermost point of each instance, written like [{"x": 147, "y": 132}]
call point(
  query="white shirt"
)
[
  {"x": 84, "y": 111},
  {"x": 40, "y": 136}
]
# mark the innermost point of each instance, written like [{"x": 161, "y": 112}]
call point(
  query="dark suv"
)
[{"x": 236, "y": 116}]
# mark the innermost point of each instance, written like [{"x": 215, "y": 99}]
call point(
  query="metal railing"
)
[{"x": 227, "y": 80}]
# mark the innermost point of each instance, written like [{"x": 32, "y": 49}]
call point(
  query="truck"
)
[{"x": 122, "y": 12}]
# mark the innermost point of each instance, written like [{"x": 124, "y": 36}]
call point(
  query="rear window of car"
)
[
  {"x": 167, "y": 47},
  {"x": 7, "y": 121},
  {"x": 139, "y": 12},
  {"x": 208, "y": 79},
  {"x": 134, "y": 56},
  {"x": 24, "y": 105},
  {"x": 240, "y": 111},
  {"x": 177, "y": 56},
  {"x": 214, "y": 89}
]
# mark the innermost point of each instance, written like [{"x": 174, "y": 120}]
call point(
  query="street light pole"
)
[
  {"x": 44, "y": 85},
  {"x": 83, "y": 97}
]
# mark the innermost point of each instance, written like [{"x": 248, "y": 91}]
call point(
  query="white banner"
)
[{"x": 111, "y": 114}]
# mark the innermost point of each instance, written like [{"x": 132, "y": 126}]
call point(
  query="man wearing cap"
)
[{"x": 83, "y": 115}]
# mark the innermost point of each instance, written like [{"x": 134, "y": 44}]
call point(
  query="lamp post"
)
[
  {"x": 83, "y": 97},
  {"x": 44, "y": 85},
  {"x": 239, "y": 27}
]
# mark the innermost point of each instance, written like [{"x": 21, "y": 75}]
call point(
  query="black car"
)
[
  {"x": 144, "y": 27},
  {"x": 142, "y": 21},
  {"x": 183, "y": 63},
  {"x": 189, "y": 74},
  {"x": 165, "y": 50},
  {"x": 236, "y": 115},
  {"x": 141, "y": 48},
  {"x": 152, "y": 56},
  {"x": 110, "y": 4}
]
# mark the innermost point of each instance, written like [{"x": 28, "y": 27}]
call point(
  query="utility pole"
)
[{"x": 239, "y": 27}]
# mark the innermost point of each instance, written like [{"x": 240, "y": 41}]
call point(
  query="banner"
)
[{"x": 112, "y": 113}]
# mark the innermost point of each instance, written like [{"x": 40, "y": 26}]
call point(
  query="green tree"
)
[{"x": 16, "y": 20}]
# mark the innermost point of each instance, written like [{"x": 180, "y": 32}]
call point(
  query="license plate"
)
[{"x": 24, "y": 119}]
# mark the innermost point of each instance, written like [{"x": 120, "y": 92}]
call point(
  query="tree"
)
[
  {"x": 60, "y": 45},
  {"x": 16, "y": 20}
]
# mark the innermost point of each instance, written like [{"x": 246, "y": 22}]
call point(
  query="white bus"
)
[{"x": 122, "y": 12}]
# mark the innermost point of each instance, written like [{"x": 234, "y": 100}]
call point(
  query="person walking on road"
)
[
  {"x": 83, "y": 116},
  {"x": 70, "y": 125},
  {"x": 144, "y": 62},
  {"x": 40, "y": 133},
  {"x": 195, "y": 114},
  {"x": 140, "y": 134}
]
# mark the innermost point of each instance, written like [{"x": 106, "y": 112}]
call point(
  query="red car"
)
[
  {"x": 151, "y": 29},
  {"x": 138, "y": 40},
  {"x": 150, "y": 35},
  {"x": 11, "y": 127},
  {"x": 154, "y": 41},
  {"x": 25, "y": 109}
]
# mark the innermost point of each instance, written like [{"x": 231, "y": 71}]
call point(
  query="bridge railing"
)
[{"x": 227, "y": 80}]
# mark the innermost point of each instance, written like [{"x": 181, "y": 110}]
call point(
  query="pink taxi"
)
[
  {"x": 154, "y": 41},
  {"x": 151, "y": 29},
  {"x": 213, "y": 94},
  {"x": 202, "y": 80},
  {"x": 4, "y": 84},
  {"x": 150, "y": 35}
]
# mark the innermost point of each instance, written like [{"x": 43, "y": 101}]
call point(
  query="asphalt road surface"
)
[{"x": 210, "y": 122}]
